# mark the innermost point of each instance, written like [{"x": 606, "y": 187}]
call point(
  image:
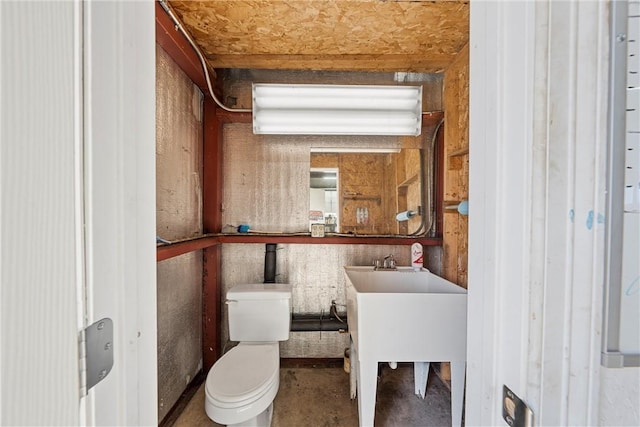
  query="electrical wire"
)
[
  {"x": 423, "y": 186},
  {"x": 195, "y": 47}
]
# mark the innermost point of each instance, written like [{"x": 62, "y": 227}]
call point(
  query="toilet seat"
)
[{"x": 243, "y": 382}]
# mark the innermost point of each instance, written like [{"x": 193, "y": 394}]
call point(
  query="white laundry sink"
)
[{"x": 404, "y": 316}]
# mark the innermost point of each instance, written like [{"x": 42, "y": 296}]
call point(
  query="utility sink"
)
[{"x": 404, "y": 315}]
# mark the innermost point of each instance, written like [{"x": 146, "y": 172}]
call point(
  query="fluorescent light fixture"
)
[
  {"x": 353, "y": 150},
  {"x": 336, "y": 109}
]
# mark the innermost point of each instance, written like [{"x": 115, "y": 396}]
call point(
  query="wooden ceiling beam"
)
[{"x": 379, "y": 63}]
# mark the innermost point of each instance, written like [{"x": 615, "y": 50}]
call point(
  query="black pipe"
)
[
  {"x": 270, "y": 263},
  {"x": 315, "y": 322}
]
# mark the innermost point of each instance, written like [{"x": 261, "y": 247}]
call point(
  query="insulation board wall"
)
[
  {"x": 456, "y": 179},
  {"x": 179, "y": 215}
]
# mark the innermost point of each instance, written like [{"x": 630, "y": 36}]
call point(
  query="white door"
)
[
  {"x": 77, "y": 209},
  {"x": 40, "y": 213}
]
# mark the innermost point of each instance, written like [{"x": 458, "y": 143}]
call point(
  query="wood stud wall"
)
[
  {"x": 362, "y": 177},
  {"x": 408, "y": 188},
  {"x": 456, "y": 173}
]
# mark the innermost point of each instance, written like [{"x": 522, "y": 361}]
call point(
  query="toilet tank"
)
[{"x": 259, "y": 312}]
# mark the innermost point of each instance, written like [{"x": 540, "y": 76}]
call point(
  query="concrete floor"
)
[{"x": 319, "y": 397}]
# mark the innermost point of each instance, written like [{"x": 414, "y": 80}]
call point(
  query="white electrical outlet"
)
[{"x": 317, "y": 230}]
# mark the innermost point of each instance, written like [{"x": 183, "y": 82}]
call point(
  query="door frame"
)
[
  {"x": 538, "y": 108},
  {"x": 119, "y": 192}
]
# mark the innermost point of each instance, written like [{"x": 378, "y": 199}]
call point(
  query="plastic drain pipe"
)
[
  {"x": 315, "y": 322},
  {"x": 270, "y": 263}
]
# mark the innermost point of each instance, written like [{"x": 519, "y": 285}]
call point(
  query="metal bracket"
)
[{"x": 96, "y": 358}]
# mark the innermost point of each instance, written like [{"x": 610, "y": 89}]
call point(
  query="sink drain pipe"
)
[{"x": 316, "y": 322}]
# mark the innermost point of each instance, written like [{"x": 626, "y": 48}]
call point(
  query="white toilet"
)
[{"x": 241, "y": 386}]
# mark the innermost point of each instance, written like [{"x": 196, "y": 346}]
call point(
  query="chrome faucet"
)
[{"x": 387, "y": 263}]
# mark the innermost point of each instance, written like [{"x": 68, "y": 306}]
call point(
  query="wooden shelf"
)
[
  {"x": 407, "y": 182},
  {"x": 376, "y": 199},
  {"x": 459, "y": 152}
]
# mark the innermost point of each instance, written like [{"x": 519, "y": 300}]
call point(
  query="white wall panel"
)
[
  {"x": 178, "y": 216},
  {"x": 536, "y": 232},
  {"x": 39, "y": 205}
]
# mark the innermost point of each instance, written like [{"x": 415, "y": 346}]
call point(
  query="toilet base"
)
[{"x": 263, "y": 419}]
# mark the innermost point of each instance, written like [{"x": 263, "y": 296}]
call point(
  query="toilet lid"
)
[{"x": 244, "y": 372}]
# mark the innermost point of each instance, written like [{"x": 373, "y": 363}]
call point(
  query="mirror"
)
[
  {"x": 267, "y": 182},
  {"x": 362, "y": 192}
]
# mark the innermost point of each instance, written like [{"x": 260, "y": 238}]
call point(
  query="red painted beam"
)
[
  {"x": 225, "y": 116},
  {"x": 180, "y": 248},
  {"x": 334, "y": 240},
  {"x": 179, "y": 49},
  {"x": 212, "y": 169},
  {"x": 432, "y": 118},
  {"x": 211, "y": 318},
  {"x": 211, "y": 222}
]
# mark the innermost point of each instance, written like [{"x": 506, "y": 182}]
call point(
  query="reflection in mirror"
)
[
  {"x": 372, "y": 188},
  {"x": 323, "y": 207}
]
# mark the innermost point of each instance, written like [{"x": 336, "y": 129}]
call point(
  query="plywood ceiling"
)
[{"x": 362, "y": 35}]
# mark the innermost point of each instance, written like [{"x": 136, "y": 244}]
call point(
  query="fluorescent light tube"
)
[{"x": 337, "y": 110}]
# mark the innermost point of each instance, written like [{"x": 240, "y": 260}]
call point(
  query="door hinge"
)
[{"x": 96, "y": 353}]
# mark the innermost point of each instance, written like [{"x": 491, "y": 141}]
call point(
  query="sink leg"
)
[
  {"x": 420, "y": 375},
  {"x": 457, "y": 392},
  {"x": 367, "y": 383},
  {"x": 353, "y": 372}
]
